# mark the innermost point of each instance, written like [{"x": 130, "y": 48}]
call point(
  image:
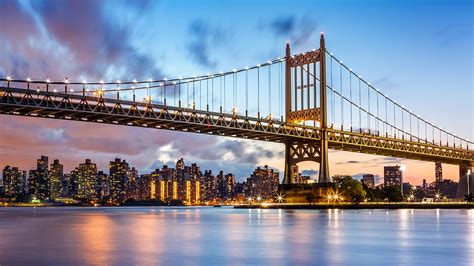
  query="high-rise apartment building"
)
[
  {"x": 87, "y": 180},
  {"x": 38, "y": 180},
  {"x": 56, "y": 177},
  {"x": 393, "y": 176},
  {"x": 118, "y": 180},
  {"x": 438, "y": 172}
]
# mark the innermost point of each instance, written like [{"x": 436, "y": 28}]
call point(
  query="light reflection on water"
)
[{"x": 147, "y": 236}]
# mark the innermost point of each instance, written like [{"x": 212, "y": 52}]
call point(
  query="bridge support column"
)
[
  {"x": 324, "y": 160},
  {"x": 466, "y": 181},
  {"x": 289, "y": 177}
]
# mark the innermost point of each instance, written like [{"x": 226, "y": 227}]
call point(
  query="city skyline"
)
[
  {"x": 200, "y": 45},
  {"x": 438, "y": 169}
]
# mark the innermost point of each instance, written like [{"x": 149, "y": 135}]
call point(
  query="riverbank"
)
[{"x": 382, "y": 205}]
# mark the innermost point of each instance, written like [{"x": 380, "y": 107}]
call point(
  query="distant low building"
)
[{"x": 368, "y": 180}]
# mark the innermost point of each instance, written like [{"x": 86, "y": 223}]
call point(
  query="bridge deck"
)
[{"x": 51, "y": 105}]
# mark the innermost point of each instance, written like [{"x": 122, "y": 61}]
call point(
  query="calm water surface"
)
[{"x": 209, "y": 236}]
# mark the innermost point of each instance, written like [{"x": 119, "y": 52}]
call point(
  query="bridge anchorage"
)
[{"x": 314, "y": 103}]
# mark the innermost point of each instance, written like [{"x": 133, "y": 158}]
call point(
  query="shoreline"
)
[
  {"x": 459, "y": 205},
  {"x": 303, "y": 206}
]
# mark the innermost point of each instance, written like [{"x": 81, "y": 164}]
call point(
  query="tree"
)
[
  {"x": 469, "y": 197},
  {"x": 392, "y": 194},
  {"x": 351, "y": 189}
]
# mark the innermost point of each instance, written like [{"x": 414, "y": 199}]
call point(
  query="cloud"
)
[
  {"x": 349, "y": 162},
  {"x": 203, "y": 38},
  {"x": 298, "y": 30},
  {"x": 78, "y": 39}
]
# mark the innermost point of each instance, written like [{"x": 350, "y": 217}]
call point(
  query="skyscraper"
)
[
  {"x": 393, "y": 176},
  {"x": 38, "y": 182},
  {"x": 118, "y": 179},
  {"x": 438, "y": 172},
  {"x": 208, "y": 186},
  {"x": 55, "y": 179},
  {"x": 13, "y": 182},
  {"x": 87, "y": 180}
]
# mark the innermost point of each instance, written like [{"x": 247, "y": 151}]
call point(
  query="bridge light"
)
[
  {"x": 234, "y": 70},
  {"x": 246, "y": 68},
  {"x": 161, "y": 84},
  {"x": 48, "y": 81},
  {"x": 71, "y": 90},
  {"x": 150, "y": 80},
  {"x": 350, "y": 69},
  {"x": 174, "y": 82},
  {"x": 84, "y": 82},
  {"x": 331, "y": 54},
  {"x": 9, "y": 78},
  {"x": 340, "y": 62},
  {"x": 66, "y": 81},
  {"x": 101, "y": 82},
  {"x": 269, "y": 62},
  {"x": 258, "y": 65},
  {"x": 134, "y": 81},
  {"x": 165, "y": 79},
  {"x": 118, "y": 81},
  {"x": 221, "y": 72},
  {"x": 55, "y": 90},
  {"x": 28, "y": 80}
]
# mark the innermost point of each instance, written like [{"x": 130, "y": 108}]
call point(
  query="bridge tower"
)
[{"x": 305, "y": 82}]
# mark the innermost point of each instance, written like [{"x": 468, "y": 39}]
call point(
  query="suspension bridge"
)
[{"x": 310, "y": 102}]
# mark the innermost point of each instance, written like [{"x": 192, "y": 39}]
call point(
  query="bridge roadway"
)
[{"x": 54, "y": 105}]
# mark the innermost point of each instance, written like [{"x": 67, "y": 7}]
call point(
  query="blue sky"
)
[{"x": 417, "y": 52}]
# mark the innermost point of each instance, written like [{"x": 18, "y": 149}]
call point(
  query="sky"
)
[{"x": 418, "y": 52}]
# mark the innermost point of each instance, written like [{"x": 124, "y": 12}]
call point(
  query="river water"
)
[{"x": 217, "y": 236}]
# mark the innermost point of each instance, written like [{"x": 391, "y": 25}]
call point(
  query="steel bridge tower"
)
[{"x": 305, "y": 76}]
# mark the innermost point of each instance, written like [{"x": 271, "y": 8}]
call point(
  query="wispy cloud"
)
[
  {"x": 205, "y": 37},
  {"x": 296, "y": 29}
]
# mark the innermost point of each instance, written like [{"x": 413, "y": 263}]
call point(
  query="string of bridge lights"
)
[{"x": 165, "y": 82}]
